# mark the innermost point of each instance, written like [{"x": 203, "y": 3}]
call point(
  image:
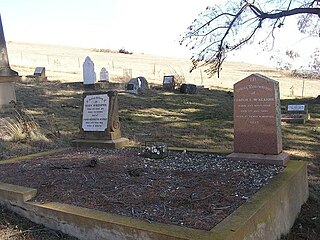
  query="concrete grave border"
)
[{"x": 268, "y": 214}]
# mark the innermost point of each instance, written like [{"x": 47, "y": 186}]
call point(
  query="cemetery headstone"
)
[
  {"x": 104, "y": 75},
  {"x": 257, "y": 121},
  {"x": 100, "y": 125},
  {"x": 7, "y": 75},
  {"x": 40, "y": 73},
  {"x": 296, "y": 113},
  {"x": 89, "y": 75},
  {"x": 188, "y": 88},
  {"x": 168, "y": 83},
  {"x": 132, "y": 86},
  {"x": 136, "y": 85}
]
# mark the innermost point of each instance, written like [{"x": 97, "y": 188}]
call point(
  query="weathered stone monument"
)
[
  {"x": 89, "y": 75},
  {"x": 188, "y": 88},
  {"x": 257, "y": 121},
  {"x": 100, "y": 125},
  {"x": 7, "y": 75},
  {"x": 104, "y": 75},
  {"x": 168, "y": 83},
  {"x": 40, "y": 73},
  {"x": 132, "y": 86},
  {"x": 136, "y": 85}
]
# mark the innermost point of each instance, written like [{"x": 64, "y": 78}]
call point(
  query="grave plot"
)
[{"x": 183, "y": 196}]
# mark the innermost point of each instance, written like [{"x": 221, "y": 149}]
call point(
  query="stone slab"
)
[
  {"x": 257, "y": 116},
  {"x": 16, "y": 193},
  {"x": 111, "y": 144},
  {"x": 301, "y": 120},
  {"x": 279, "y": 159},
  {"x": 270, "y": 213}
]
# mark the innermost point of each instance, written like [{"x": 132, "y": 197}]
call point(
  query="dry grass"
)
[
  {"x": 20, "y": 128},
  {"x": 65, "y": 64}
]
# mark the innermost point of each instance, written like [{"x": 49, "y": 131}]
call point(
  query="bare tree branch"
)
[{"x": 218, "y": 31}]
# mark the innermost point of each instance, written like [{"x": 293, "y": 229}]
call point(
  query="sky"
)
[{"x": 145, "y": 26}]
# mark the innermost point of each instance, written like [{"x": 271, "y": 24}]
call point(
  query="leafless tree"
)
[{"x": 222, "y": 29}]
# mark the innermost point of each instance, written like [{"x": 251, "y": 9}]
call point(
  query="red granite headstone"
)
[{"x": 257, "y": 116}]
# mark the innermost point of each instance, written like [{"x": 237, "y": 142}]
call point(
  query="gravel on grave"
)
[{"x": 195, "y": 190}]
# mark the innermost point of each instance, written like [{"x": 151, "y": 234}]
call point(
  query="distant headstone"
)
[
  {"x": 104, "y": 75},
  {"x": 188, "y": 88},
  {"x": 136, "y": 85},
  {"x": 168, "y": 83},
  {"x": 296, "y": 113},
  {"x": 132, "y": 86},
  {"x": 40, "y": 71},
  {"x": 100, "y": 125},
  {"x": 89, "y": 76},
  {"x": 257, "y": 121}
]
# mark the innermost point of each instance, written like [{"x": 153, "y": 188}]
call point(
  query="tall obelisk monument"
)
[{"x": 7, "y": 75}]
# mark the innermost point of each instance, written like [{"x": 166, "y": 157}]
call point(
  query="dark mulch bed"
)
[{"x": 195, "y": 190}]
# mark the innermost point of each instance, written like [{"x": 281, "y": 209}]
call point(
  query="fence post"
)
[{"x": 303, "y": 87}]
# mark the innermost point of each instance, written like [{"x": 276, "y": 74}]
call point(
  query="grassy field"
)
[
  {"x": 49, "y": 116},
  {"x": 65, "y": 64}
]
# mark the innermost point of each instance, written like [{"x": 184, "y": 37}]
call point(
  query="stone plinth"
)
[{"x": 7, "y": 90}]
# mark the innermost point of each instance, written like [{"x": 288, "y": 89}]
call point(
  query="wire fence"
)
[{"x": 66, "y": 65}]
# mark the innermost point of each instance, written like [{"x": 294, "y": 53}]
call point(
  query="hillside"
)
[{"x": 65, "y": 64}]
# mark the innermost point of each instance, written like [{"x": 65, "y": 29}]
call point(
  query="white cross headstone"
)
[
  {"x": 89, "y": 76},
  {"x": 104, "y": 75}
]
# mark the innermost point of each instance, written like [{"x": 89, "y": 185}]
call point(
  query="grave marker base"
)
[
  {"x": 279, "y": 159},
  {"x": 295, "y": 118},
  {"x": 7, "y": 90}
]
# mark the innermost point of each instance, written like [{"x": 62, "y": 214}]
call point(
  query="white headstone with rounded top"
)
[
  {"x": 104, "y": 75},
  {"x": 89, "y": 76}
]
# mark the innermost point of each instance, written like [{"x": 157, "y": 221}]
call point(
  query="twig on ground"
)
[
  {"x": 27, "y": 231},
  {"x": 60, "y": 167},
  {"x": 204, "y": 198},
  {"x": 221, "y": 208},
  {"x": 85, "y": 177},
  {"x": 164, "y": 209},
  {"x": 54, "y": 181},
  {"x": 132, "y": 212},
  {"x": 111, "y": 200}
]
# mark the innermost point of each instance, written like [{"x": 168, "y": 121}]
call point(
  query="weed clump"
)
[{"x": 21, "y": 128}]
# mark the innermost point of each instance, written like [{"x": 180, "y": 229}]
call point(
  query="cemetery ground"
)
[{"x": 48, "y": 117}]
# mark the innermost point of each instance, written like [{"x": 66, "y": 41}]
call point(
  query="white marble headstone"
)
[
  {"x": 95, "y": 113},
  {"x": 104, "y": 75},
  {"x": 89, "y": 76}
]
